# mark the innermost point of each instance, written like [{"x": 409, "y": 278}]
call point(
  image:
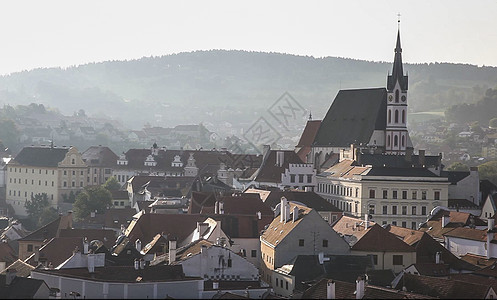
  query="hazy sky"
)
[{"x": 48, "y": 33}]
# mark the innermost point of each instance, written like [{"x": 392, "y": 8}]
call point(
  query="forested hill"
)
[{"x": 232, "y": 86}]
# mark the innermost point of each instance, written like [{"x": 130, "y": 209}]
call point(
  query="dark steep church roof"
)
[{"x": 353, "y": 117}]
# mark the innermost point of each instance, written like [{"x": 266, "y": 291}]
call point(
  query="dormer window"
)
[
  {"x": 150, "y": 161},
  {"x": 122, "y": 161},
  {"x": 177, "y": 162}
]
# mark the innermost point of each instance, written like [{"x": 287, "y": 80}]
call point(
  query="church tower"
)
[{"x": 397, "y": 139}]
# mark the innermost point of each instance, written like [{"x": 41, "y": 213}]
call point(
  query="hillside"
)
[{"x": 230, "y": 86}]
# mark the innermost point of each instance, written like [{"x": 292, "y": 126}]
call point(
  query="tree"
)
[
  {"x": 458, "y": 166},
  {"x": 112, "y": 184},
  {"x": 92, "y": 199},
  {"x": 488, "y": 171},
  {"x": 493, "y": 123},
  {"x": 38, "y": 209}
]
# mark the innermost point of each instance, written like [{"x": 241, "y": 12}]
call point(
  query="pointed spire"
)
[
  {"x": 398, "y": 70},
  {"x": 310, "y": 115}
]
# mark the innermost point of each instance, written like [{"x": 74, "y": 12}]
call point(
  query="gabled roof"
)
[
  {"x": 468, "y": 233},
  {"x": 7, "y": 254},
  {"x": 378, "y": 239},
  {"x": 240, "y": 204},
  {"x": 99, "y": 156},
  {"x": 350, "y": 226},
  {"x": 277, "y": 231},
  {"x": 455, "y": 176},
  {"x": 353, "y": 117},
  {"x": 20, "y": 287},
  {"x": 107, "y": 236},
  {"x": 409, "y": 236},
  {"x": 478, "y": 260},
  {"x": 309, "y": 199},
  {"x": 442, "y": 287},
  {"x": 40, "y": 156},
  {"x": 22, "y": 269},
  {"x": 270, "y": 171},
  {"x": 50, "y": 230},
  {"x": 309, "y": 133},
  {"x": 57, "y": 250}
]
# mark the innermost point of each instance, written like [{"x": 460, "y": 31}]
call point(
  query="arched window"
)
[
  {"x": 403, "y": 141},
  {"x": 388, "y": 141},
  {"x": 397, "y": 96},
  {"x": 389, "y": 116},
  {"x": 403, "y": 116},
  {"x": 396, "y": 116},
  {"x": 395, "y": 141}
]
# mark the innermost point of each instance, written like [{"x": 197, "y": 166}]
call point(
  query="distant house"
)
[
  {"x": 296, "y": 230},
  {"x": 100, "y": 161},
  {"x": 15, "y": 287}
]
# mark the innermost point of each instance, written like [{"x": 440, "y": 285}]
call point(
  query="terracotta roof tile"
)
[
  {"x": 277, "y": 231},
  {"x": 378, "y": 239},
  {"x": 309, "y": 133}
]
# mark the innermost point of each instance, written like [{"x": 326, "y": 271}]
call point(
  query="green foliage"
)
[
  {"x": 458, "y": 166},
  {"x": 112, "y": 184},
  {"x": 39, "y": 210},
  {"x": 9, "y": 134},
  {"x": 482, "y": 111},
  {"x": 488, "y": 171},
  {"x": 493, "y": 123},
  {"x": 91, "y": 199}
]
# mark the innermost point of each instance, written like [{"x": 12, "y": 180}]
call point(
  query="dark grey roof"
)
[
  {"x": 397, "y": 161},
  {"x": 353, "y": 117},
  {"x": 455, "y": 176},
  {"x": 310, "y": 199},
  {"x": 402, "y": 172},
  {"x": 41, "y": 156},
  {"x": 397, "y": 71},
  {"x": 20, "y": 288}
]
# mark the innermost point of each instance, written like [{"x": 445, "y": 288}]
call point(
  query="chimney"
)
[
  {"x": 37, "y": 254},
  {"x": 172, "y": 251},
  {"x": 69, "y": 218},
  {"x": 282, "y": 210},
  {"x": 138, "y": 245},
  {"x": 259, "y": 215},
  {"x": 421, "y": 157},
  {"x": 445, "y": 220},
  {"x": 321, "y": 257},
  {"x": 216, "y": 207},
  {"x": 359, "y": 290},
  {"x": 330, "y": 290},
  {"x": 10, "y": 276},
  {"x": 137, "y": 264},
  {"x": 91, "y": 263},
  {"x": 437, "y": 257},
  {"x": 86, "y": 246},
  {"x": 366, "y": 221},
  {"x": 221, "y": 207},
  {"x": 280, "y": 158},
  {"x": 142, "y": 263},
  {"x": 490, "y": 236},
  {"x": 295, "y": 213},
  {"x": 287, "y": 212},
  {"x": 215, "y": 285}
]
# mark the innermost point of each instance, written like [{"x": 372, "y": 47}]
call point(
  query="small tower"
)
[
  {"x": 191, "y": 169},
  {"x": 396, "y": 135}
]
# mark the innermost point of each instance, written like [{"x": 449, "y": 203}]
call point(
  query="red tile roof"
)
[
  {"x": 309, "y": 133},
  {"x": 378, "y": 239}
]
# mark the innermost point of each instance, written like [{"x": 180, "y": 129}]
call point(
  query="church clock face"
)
[
  {"x": 403, "y": 98},
  {"x": 390, "y": 98}
]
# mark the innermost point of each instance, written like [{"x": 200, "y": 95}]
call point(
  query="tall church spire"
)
[{"x": 398, "y": 70}]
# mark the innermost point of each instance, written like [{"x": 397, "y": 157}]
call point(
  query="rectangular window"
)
[
  {"x": 371, "y": 210},
  {"x": 301, "y": 178},
  {"x": 81, "y": 183},
  {"x": 30, "y": 248},
  {"x": 301, "y": 242},
  {"x": 385, "y": 194},
  {"x": 325, "y": 243},
  {"x": 253, "y": 253},
  {"x": 394, "y": 209},
  {"x": 385, "y": 209},
  {"x": 423, "y": 210},
  {"x": 437, "y": 195},
  {"x": 375, "y": 259},
  {"x": 81, "y": 173},
  {"x": 414, "y": 195},
  {"x": 404, "y": 194},
  {"x": 404, "y": 224},
  {"x": 398, "y": 260},
  {"x": 404, "y": 210},
  {"x": 372, "y": 194},
  {"x": 65, "y": 183},
  {"x": 413, "y": 210},
  {"x": 73, "y": 184},
  {"x": 394, "y": 194},
  {"x": 286, "y": 283},
  {"x": 65, "y": 172},
  {"x": 394, "y": 223},
  {"x": 309, "y": 178},
  {"x": 413, "y": 225},
  {"x": 423, "y": 195},
  {"x": 292, "y": 178}
]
